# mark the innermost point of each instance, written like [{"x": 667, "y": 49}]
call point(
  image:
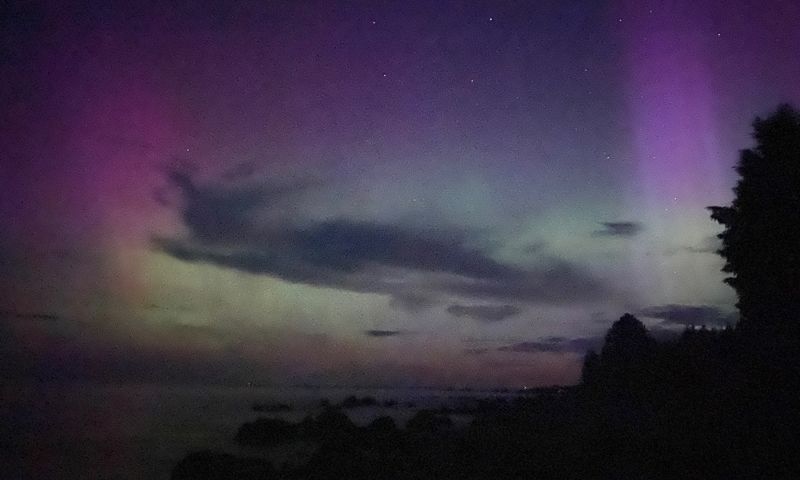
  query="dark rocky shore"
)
[{"x": 712, "y": 404}]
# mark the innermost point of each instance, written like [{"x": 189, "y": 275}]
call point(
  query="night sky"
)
[{"x": 368, "y": 193}]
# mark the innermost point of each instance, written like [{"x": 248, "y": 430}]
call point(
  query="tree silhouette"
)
[
  {"x": 761, "y": 240},
  {"x": 627, "y": 341},
  {"x": 625, "y": 363},
  {"x": 591, "y": 365}
]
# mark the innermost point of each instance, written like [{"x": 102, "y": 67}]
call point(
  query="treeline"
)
[{"x": 709, "y": 404}]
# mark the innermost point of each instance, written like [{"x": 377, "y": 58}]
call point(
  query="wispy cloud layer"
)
[
  {"x": 237, "y": 227},
  {"x": 383, "y": 333},
  {"x": 555, "y": 345},
  {"x": 484, "y": 313},
  {"x": 619, "y": 229}
]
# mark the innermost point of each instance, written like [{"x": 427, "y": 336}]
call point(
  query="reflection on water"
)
[{"x": 86, "y": 431}]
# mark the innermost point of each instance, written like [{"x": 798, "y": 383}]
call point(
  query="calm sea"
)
[{"x": 89, "y": 431}]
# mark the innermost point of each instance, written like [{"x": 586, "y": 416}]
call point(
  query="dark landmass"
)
[{"x": 696, "y": 407}]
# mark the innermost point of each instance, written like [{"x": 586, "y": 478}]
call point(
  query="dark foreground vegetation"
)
[{"x": 711, "y": 404}]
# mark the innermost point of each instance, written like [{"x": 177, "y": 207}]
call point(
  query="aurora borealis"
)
[{"x": 363, "y": 193}]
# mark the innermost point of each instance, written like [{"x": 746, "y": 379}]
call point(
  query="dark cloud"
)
[
  {"x": 475, "y": 351},
  {"x": 619, "y": 229},
  {"x": 560, "y": 282},
  {"x": 709, "y": 245},
  {"x": 347, "y": 246},
  {"x": 383, "y": 333},
  {"x": 555, "y": 345},
  {"x": 484, "y": 313},
  {"x": 255, "y": 261},
  {"x": 531, "y": 347},
  {"x": 690, "y": 315},
  {"x": 354, "y": 255},
  {"x": 411, "y": 301},
  {"x": 487, "y": 340},
  {"x": 533, "y": 248},
  {"x": 224, "y": 214}
]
